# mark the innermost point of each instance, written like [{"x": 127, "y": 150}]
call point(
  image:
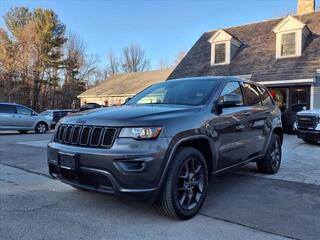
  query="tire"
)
[
  {"x": 23, "y": 131},
  {"x": 271, "y": 162},
  {"x": 185, "y": 188},
  {"x": 41, "y": 127},
  {"x": 309, "y": 141}
]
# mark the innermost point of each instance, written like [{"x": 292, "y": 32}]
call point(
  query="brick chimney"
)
[{"x": 306, "y": 6}]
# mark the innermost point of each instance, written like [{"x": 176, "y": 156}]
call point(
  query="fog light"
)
[{"x": 131, "y": 166}]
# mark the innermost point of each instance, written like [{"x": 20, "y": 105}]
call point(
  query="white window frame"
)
[
  {"x": 227, "y": 53},
  {"x": 298, "y": 43}
]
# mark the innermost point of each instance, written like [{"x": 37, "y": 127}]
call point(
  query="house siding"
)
[{"x": 316, "y": 96}]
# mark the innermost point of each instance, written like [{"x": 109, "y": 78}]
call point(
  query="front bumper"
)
[
  {"x": 130, "y": 168},
  {"x": 312, "y": 135}
]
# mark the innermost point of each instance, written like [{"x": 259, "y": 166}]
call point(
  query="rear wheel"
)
[
  {"x": 41, "y": 127},
  {"x": 23, "y": 131},
  {"x": 186, "y": 185},
  {"x": 270, "y": 163}
]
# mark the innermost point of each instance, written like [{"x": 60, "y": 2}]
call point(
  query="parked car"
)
[
  {"x": 55, "y": 115},
  {"x": 165, "y": 143},
  {"x": 90, "y": 106},
  {"x": 21, "y": 118},
  {"x": 307, "y": 125}
]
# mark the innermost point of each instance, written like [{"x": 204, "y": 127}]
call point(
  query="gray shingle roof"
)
[{"x": 258, "y": 54}]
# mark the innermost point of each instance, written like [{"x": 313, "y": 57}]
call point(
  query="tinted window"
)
[
  {"x": 23, "y": 111},
  {"x": 7, "y": 108},
  {"x": 265, "y": 97},
  {"x": 252, "y": 95},
  {"x": 183, "y": 92},
  {"x": 232, "y": 88}
]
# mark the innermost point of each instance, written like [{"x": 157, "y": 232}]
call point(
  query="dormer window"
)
[
  {"x": 220, "y": 53},
  {"x": 288, "y": 44},
  {"x": 223, "y": 47},
  {"x": 291, "y": 35}
]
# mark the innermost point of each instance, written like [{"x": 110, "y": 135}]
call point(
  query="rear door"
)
[
  {"x": 7, "y": 116},
  {"x": 257, "y": 116}
]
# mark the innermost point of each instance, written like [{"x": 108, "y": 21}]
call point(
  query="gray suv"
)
[
  {"x": 21, "y": 118},
  {"x": 165, "y": 143}
]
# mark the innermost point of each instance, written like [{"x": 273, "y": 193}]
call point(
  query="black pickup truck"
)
[{"x": 308, "y": 125}]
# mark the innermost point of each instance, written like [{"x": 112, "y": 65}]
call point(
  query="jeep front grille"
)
[
  {"x": 307, "y": 122},
  {"x": 89, "y": 136}
]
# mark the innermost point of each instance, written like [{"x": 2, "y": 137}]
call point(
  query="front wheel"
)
[
  {"x": 185, "y": 188},
  {"x": 41, "y": 127},
  {"x": 270, "y": 163}
]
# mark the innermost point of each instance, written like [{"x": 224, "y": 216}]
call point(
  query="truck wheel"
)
[
  {"x": 185, "y": 188},
  {"x": 309, "y": 141},
  {"x": 270, "y": 163},
  {"x": 41, "y": 127}
]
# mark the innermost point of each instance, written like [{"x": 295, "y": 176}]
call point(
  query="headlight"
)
[{"x": 140, "y": 133}]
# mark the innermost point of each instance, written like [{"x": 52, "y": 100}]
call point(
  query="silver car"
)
[{"x": 23, "y": 119}]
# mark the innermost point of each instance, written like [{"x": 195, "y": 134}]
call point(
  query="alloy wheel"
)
[
  {"x": 41, "y": 128},
  {"x": 190, "y": 184},
  {"x": 275, "y": 155}
]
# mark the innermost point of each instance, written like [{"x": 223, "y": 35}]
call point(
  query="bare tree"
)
[
  {"x": 163, "y": 64},
  {"x": 113, "y": 66},
  {"x": 181, "y": 54},
  {"x": 134, "y": 59}
]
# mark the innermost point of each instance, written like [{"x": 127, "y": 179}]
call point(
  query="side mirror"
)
[
  {"x": 230, "y": 100},
  {"x": 34, "y": 114}
]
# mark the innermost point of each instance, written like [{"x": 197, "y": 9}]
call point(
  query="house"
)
[
  {"x": 116, "y": 89},
  {"x": 283, "y": 54}
]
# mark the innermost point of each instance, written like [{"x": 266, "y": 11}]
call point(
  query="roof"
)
[
  {"x": 126, "y": 84},
  {"x": 257, "y": 55}
]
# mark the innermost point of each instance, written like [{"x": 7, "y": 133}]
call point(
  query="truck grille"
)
[
  {"x": 89, "y": 136},
  {"x": 307, "y": 122}
]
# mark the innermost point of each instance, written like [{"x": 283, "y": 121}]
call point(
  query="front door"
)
[
  {"x": 24, "y": 118},
  {"x": 230, "y": 129}
]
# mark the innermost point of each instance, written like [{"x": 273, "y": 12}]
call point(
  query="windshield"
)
[
  {"x": 183, "y": 92},
  {"x": 45, "y": 113}
]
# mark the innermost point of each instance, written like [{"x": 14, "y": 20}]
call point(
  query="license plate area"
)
[{"x": 69, "y": 161}]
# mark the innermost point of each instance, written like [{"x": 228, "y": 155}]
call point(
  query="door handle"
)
[{"x": 247, "y": 114}]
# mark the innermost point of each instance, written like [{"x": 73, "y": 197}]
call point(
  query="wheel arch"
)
[
  {"x": 278, "y": 131},
  {"x": 199, "y": 142}
]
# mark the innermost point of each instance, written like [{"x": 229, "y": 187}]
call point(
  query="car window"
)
[
  {"x": 231, "y": 88},
  {"x": 182, "y": 92},
  {"x": 252, "y": 95},
  {"x": 23, "y": 111},
  {"x": 265, "y": 97},
  {"x": 7, "y": 108}
]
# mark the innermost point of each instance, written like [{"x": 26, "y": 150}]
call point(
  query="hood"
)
[
  {"x": 130, "y": 115},
  {"x": 314, "y": 112}
]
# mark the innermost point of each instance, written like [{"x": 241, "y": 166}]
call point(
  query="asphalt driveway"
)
[{"x": 240, "y": 205}]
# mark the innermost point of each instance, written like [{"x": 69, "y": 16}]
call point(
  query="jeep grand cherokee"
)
[{"x": 166, "y": 142}]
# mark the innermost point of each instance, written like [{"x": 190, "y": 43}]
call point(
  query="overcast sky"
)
[{"x": 162, "y": 28}]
